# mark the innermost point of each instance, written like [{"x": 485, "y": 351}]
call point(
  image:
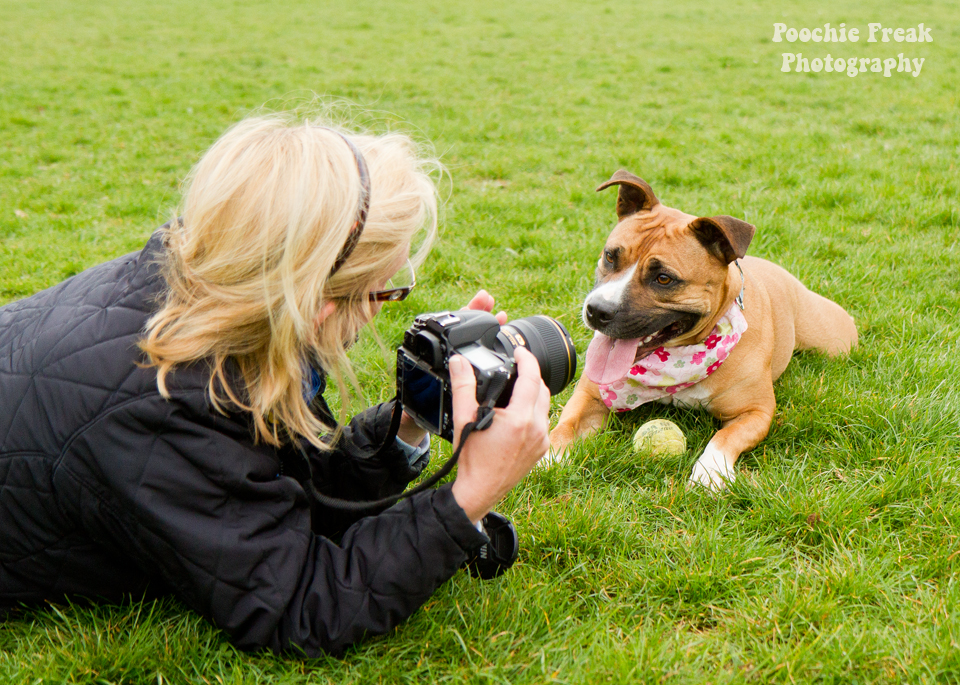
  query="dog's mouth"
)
[
  {"x": 609, "y": 359},
  {"x": 647, "y": 345}
]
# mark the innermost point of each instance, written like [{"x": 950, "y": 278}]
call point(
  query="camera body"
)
[{"x": 423, "y": 376}]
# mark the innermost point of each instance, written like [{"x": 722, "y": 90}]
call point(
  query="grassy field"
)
[{"x": 833, "y": 558}]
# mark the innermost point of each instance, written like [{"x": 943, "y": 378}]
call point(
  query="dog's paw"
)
[
  {"x": 712, "y": 470},
  {"x": 560, "y": 439},
  {"x": 553, "y": 456}
]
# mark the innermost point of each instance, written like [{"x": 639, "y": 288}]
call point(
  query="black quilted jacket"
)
[{"x": 108, "y": 489}]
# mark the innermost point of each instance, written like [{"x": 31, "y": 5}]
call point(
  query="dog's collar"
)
[{"x": 743, "y": 283}]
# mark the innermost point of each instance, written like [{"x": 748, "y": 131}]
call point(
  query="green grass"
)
[{"x": 833, "y": 558}]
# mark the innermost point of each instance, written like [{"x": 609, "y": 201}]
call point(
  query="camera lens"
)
[{"x": 549, "y": 342}]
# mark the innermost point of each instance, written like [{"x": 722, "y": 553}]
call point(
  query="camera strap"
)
[{"x": 484, "y": 418}]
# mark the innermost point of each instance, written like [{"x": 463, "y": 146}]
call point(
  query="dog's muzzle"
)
[{"x": 599, "y": 314}]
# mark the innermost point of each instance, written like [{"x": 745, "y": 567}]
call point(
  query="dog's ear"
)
[
  {"x": 724, "y": 236},
  {"x": 635, "y": 193}
]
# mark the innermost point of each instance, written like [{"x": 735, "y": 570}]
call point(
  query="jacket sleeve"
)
[
  {"x": 354, "y": 468},
  {"x": 193, "y": 502},
  {"x": 351, "y": 471}
]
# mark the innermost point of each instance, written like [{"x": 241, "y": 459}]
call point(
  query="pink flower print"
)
[
  {"x": 698, "y": 357},
  {"x": 617, "y": 385},
  {"x": 607, "y": 400},
  {"x": 721, "y": 354},
  {"x": 713, "y": 367},
  {"x": 662, "y": 354},
  {"x": 638, "y": 370},
  {"x": 712, "y": 341}
]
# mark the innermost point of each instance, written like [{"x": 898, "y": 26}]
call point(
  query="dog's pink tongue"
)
[{"x": 608, "y": 360}]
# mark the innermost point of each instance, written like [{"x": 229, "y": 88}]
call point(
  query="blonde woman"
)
[{"x": 160, "y": 414}]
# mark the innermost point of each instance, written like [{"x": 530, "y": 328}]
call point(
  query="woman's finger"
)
[
  {"x": 527, "y": 388},
  {"x": 463, "y": 390},
  {"x": 482, "y": 301}
]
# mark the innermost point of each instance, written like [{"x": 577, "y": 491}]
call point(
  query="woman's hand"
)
[
  {"x": 409, "y": 431},
  {"x": 484, "y": 301},
  {"x": 494, "y": 460}
]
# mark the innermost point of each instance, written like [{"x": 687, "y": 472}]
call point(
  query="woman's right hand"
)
[{"x": 494, "y": 460}]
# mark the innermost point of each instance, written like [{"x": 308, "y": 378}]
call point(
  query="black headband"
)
[{"x": 354, "y": 236}]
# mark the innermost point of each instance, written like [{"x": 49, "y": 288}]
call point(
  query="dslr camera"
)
[
  {"x": 423, "y": 382},
  {"x": 423, "y": 377}
]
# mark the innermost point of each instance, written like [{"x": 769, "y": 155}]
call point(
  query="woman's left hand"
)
[
  {"x": 410, "y": 432},
  {"x": 484, "y": 301}
]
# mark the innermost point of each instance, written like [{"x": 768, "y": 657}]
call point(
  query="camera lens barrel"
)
[{"x": 549, "y": 342}]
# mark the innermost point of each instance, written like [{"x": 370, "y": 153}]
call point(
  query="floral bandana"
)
[{"x": 668, "y": 370}]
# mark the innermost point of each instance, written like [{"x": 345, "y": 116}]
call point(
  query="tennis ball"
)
[{"x": 660, "y": 437}]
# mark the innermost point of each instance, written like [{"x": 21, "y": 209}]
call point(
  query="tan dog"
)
[{"x": 664, "y": 280}]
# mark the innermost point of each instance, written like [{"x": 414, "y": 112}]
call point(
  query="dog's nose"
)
[{"x": 600, "y": 314}]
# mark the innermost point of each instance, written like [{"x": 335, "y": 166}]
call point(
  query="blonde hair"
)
[{"x": 264, "y": 215}]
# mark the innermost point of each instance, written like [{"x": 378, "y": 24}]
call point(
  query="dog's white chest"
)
[{"x": 696, "y": 396}]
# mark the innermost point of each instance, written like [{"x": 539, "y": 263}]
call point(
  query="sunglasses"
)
[{"x": 398, "y": 287}]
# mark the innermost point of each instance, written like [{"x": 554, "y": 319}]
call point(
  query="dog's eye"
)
[
  {"x": 663, "y": 279},
  {"x": 608, "y": 258}
]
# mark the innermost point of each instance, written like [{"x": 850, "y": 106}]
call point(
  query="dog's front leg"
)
[
  {"x": 742, "y": 432},
  {"x": 582, "y": 415}
]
